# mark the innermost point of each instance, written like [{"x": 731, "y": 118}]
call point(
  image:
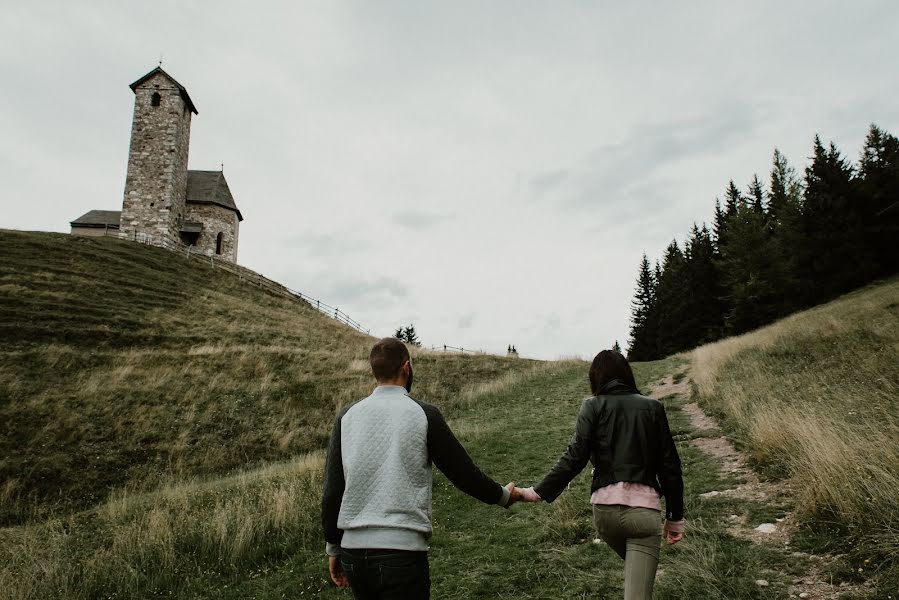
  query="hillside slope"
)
[
  {"x": 814, "y": 398},
  {"x": 127, "y": 365}
]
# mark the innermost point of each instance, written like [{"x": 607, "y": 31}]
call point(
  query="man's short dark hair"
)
[{"x": 387, "y": 358}]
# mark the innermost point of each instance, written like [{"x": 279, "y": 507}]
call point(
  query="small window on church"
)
[
  {"x": 218, "y": 243},
  {"x": 155, "y": 99}
]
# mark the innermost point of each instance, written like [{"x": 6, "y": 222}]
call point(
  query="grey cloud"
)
[
  {"x": 466, "y": 321},
  {"x": 326, "y": 245},
  {"x": 374, "y": 292},
  {"x": 550, "y": 324},
  {"x": 416, "y": 219},
  {"x": 624, "y": 178}
]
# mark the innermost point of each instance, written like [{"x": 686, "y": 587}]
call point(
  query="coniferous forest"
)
[{"x": 775, "y": 247}]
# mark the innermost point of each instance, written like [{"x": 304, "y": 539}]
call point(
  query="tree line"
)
[{"x": 773, "y": 250}]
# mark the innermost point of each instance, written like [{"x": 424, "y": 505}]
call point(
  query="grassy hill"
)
[
  {"x": 124, "y": 366},
  {"x": 814, "y": 399},
  {"x": 173, "y": 449}
]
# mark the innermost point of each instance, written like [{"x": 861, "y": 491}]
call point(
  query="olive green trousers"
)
[{"x": 636, "y": 535}]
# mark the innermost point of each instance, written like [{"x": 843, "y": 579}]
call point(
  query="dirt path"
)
[{"x": 733, "y": 464}]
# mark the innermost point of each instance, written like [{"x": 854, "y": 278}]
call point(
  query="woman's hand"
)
[
  {"x": 529, "y": 495},
  {"x": 674, "y": 531}
]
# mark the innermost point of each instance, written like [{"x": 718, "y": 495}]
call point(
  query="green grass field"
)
[{"x": 178, "y": 453}]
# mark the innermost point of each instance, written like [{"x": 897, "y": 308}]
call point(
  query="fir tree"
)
[
  {"x": 879, "y": 181},
  {"x": 616, "y": 347},
  {"x": 670, "y": 303},
  {"x": 719, "y": 227},
  {"x": 750, "y": 272},
  {"x": 704, "y": 311},
  {"x": 757, "y": 195},
  {"x": 835, "y": 256},
  {"x": 410, "y": 337},
  {"x": 733, "y": 199},
  {"x": 784, "y": 211},
  {"x": 785, "y": 189},
  {"x": 400, "y": 334},
  {"x": 642, "y": 345}
]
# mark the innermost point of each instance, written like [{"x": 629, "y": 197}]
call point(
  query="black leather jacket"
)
[{"x": 627, "y": 438}]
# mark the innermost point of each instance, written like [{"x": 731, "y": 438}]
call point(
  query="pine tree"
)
[
  {"x": 410, "y": 337},
  {"x": 719, "y": 227},
  {"x": 616, "y": 347},
  {"x": 750, "y": 272},
  {"x": 400, "y": 334},
  {"x": 669, "y": 312},
  {"x": 784, "y": 211},
  {"x": 879, "y": 175},
  {"x": 733, "y": 199},
  {"x": 786, "y": 188},
  {"x": 642, "y": 344},
  {"x": 836, "y": 255},
  {"x": 757, "y": 195},
  {"x": 702, "y": 287}
]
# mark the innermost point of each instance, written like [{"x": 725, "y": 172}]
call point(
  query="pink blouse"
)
[
  {"x": 626, "y": 493},
  {"x": 636, "y": 495}
]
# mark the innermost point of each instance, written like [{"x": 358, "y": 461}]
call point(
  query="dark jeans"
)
[{"x": 387, "y": 574}]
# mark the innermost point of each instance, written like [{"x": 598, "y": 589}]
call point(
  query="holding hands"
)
[{"x": 517, "y": 494}]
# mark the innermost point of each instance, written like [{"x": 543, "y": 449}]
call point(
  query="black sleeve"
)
[
  {"x": 573, "y": 460},
  {"x": 670, "y": 477},
  {"x": 451, "y": 458},
  {"x": 334, "y": 484}
]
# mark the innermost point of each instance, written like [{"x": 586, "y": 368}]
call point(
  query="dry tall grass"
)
[{"x": 815, "y": 397}]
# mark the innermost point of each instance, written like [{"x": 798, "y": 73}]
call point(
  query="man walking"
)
[{"x": 376, "y": 505}]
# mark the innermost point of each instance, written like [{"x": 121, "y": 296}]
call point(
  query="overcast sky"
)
[{"x": 491, "y": 172}]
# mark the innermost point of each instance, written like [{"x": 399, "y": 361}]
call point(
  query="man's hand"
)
[
  {"x": 674, "y": 532},
  {"x": 514, "y": 494},
  {"x": 337, "y": 574}
]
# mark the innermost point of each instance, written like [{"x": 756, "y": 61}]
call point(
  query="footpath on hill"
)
[{"x": 548, "y": 551}]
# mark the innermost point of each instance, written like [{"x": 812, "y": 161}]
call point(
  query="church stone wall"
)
[
  {"x": 216, "y": 219},
  {"x": 156, "y": 183}
]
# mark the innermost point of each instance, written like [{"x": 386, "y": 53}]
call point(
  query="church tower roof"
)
[
  {"x": 210, "y": 187},
  {"x": 181, "y": 88}
]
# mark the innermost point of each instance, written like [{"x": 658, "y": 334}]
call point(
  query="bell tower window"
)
[
  {"x": 155, "y": 99},
  {"x": 218, "y": 243}
]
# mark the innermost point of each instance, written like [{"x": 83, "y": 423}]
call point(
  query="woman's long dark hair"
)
[{"x": 608, "y": 366}]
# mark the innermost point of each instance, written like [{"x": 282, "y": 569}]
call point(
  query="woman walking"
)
[{"x": 635, "y": 463}]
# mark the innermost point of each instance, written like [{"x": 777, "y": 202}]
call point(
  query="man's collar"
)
[{"x": 382, "y": 389}]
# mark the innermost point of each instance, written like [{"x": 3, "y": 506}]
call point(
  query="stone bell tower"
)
[{"x": 156, "y": 184}]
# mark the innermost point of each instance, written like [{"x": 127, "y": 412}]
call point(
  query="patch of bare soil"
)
[
  {"x": 733, "y": 463},
  {"x": 669, "y": 388}
]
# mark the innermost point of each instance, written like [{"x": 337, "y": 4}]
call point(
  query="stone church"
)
[{"x": 165, "y": 203}]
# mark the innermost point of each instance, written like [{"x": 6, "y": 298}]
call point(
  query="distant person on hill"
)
[
  {"x": 627, "y": 439},
  {"x": 376, "y": 505}
]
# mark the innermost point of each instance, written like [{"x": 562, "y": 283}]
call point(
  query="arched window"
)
[
  {"x": 155, "y": 99},
  {"x": 218, "y": 243}
]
